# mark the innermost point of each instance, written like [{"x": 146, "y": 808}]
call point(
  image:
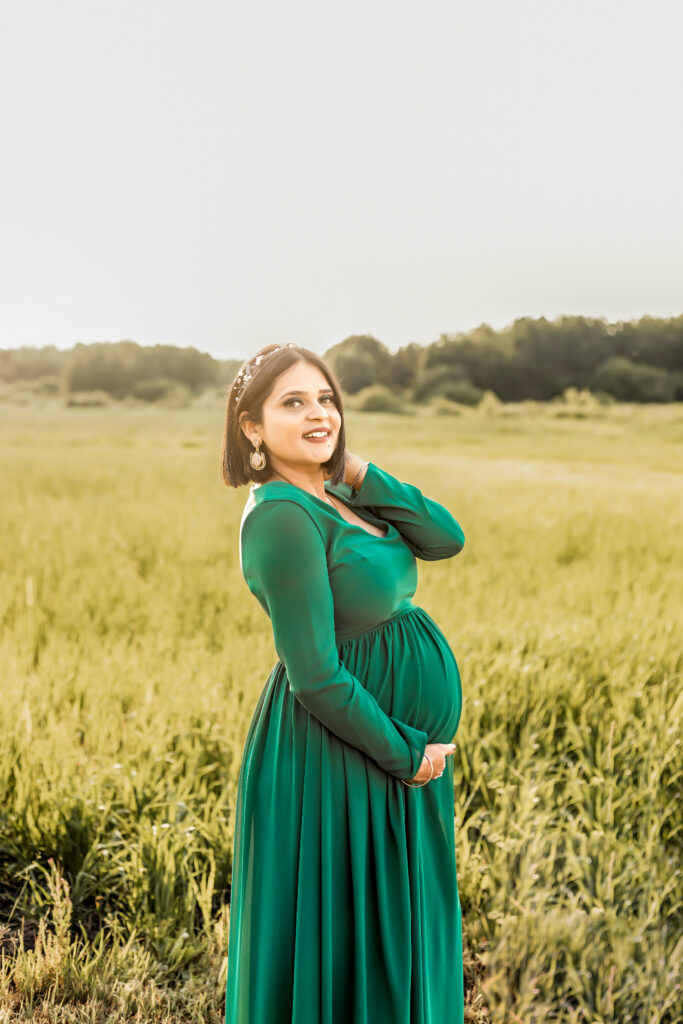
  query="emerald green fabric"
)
[{"x": 344, "y": 905}]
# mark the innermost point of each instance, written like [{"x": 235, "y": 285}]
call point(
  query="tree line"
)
[{"x": 635, "y": 361}]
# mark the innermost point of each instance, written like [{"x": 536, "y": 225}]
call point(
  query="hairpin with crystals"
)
[{"x": 247, "y": 373}]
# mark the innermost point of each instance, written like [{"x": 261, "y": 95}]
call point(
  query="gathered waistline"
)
[{"x": 409, "y": 610}]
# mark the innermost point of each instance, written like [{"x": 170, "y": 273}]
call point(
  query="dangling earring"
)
[{"x": 257, "y": 458}]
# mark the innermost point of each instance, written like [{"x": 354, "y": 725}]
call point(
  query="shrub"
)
[
  {"x": 48, "y": 384},
  {"x": 634, "y": 382},
  {"x": 378, "y": 398},
  {"x": 490, "y": 404},
  {"x": 462, "y": 391},
  {"x": 445, "y": 407},
  {"x": 579, "y": 396},
  {"x": 152, "y": 389},
  {"x": 163, "y": 390},
  {"x": 83, "y": 399}
]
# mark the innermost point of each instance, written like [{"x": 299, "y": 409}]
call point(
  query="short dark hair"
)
[{"x": 236, "y": 469}]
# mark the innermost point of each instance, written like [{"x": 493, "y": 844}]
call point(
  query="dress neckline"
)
[{"x": 333, "y": 508}]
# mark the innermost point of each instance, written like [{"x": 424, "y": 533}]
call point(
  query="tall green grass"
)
[{"x": 132, "y": 655}]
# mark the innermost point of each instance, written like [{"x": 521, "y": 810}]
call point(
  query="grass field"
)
[{"x": 132, "y": 655}]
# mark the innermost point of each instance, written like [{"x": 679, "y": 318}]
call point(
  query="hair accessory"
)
[{"x": 246, "y": 374}]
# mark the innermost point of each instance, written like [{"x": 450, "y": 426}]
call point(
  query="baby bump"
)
[{"x": 410, "y": 669}]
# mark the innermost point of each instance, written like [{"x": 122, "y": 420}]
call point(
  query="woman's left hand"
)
[{"x": 352, "y": 465}]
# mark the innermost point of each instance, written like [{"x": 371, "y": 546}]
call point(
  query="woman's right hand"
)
[{"x": 438, "y": 752}]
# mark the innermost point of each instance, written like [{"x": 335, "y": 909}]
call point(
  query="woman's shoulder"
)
[
  {"x": 284, "y": 507},
  {"x": 279, "y": 533}
]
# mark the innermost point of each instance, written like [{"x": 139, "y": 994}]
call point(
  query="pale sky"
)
[{"x": 226, "y": 175}]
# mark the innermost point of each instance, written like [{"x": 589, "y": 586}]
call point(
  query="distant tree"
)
[
  {"x": 28, "y": 363},
  {"x": 477, "y": 357},
  {"x": 438, "y": 379},
  {"x": 225, "y": 370},
  {"x": 650, "y": 340},
  {"x": 530, "y": 358},
  {"x": 405, "y": 367},
  {"x": 360, "y": 361},
  {"x": 120, "y": 367},
  {"x": 539, "y": 359},
  {"x": 630, "y": 382}
]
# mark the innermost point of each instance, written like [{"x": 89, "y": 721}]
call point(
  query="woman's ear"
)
[{"x": 247, "y": 427}]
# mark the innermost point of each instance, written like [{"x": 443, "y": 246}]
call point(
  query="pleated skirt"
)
[{"x": 344, "y": 905}]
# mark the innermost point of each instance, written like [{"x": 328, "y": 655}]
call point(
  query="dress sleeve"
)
[
  {"x": 427, "y": 527},
  {"x": 284, "y": 563}
]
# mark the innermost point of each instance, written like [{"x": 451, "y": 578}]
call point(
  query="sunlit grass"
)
[{"x": 132, "y": 655}]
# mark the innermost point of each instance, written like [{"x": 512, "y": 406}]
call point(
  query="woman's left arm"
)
[{"x": 427, "y": 527}]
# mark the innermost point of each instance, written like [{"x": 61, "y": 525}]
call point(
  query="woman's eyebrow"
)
[{"x": 326, "y": 390}]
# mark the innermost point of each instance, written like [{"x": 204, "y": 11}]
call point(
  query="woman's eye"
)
[{"x": 330, "y": 398}]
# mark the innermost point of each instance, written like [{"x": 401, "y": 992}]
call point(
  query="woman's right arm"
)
[{"x": 285, "y": 565}]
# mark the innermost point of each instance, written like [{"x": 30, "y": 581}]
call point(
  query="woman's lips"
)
[{"x": 318, "y": 440}]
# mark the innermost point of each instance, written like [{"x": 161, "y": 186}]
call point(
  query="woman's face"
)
[{"x": 287, "y": 417}]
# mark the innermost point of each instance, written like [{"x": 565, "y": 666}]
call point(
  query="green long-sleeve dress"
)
[{"x": 344, "y": 904}]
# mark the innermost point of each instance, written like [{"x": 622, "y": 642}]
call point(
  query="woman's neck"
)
[{"x": 306, "y": 485}]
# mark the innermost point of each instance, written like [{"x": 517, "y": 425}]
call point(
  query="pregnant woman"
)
[{"x": 344, "y": 904}]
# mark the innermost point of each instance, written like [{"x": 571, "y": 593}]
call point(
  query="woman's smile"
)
[{"x": 318, "y": 435}]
